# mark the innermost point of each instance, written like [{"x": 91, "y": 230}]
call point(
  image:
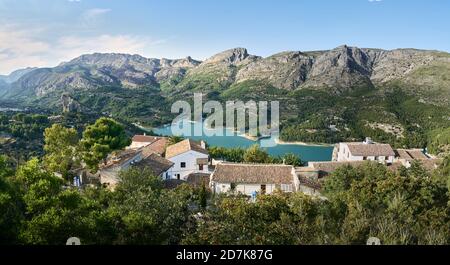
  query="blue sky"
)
[{"x": 46, "y": 32}]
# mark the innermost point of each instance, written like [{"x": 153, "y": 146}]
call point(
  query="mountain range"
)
[
  {"x": 349, "y": 88},
  {"x": 336, "y": 71}
]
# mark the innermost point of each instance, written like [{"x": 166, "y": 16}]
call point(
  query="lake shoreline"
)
[
  {"x": 249, "y": 137},
  {"x": 278, "y": 141},
  {"x": 275, "y": 147}
]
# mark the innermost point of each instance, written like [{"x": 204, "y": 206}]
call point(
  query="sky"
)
[{"x": 44, "y": 33}]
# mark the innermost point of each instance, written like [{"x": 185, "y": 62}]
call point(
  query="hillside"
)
[{"x": 399, "y": 96}]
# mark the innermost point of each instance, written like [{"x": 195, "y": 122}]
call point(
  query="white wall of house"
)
[
  {"x": 344, "y": 155},
  {"x": 191, "y": 166},
  {"x": 110, "y": 176},
  {"x": 248, "y": 189}
]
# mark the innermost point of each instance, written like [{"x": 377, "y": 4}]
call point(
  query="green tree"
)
[
  {"x": 228, "y": 154},
  {"x": 203, "y": 196},
  {"x": 60, "y": 149},
  {"x": 101, "y": 138},
  {"x": 145, "y": 213},
  {"x": 292, "y": 159},
  {"x": 10, "y": 204},
  {"x": 256, "y": 155},
  {"x": 53, "y": 214},
  {"x": 175, "y": 139},
  {"x": 407, "y": 207}
]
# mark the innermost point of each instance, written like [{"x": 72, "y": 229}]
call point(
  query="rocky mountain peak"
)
[
  {"x": 338, "y": 70},
  {"x": 343, "y": 68},
  {"x": 232, "y": 56}
]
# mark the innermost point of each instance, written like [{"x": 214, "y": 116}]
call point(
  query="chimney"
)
[{"x": 368, "y": 140}]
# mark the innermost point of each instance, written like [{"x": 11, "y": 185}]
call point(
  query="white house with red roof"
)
[
  {"x": 367, "y": 150},
  {"x": 188, "y": 157}
]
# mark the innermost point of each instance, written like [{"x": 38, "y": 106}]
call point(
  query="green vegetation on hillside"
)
[
  {"x": 22, "y": 133},
  {"x": 408, "y": 207},
  {"x": 440, "y": 141}
]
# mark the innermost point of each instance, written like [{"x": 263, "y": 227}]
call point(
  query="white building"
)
[
  {"x": 109, "y": 173},
  {"x": 116, "y": 162},
  {"x": 188, "y": 157},
  {"x": 366, "y": 150},
  {"x": 249, "y": 178}
]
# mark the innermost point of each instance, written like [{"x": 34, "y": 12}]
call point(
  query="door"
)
[{"x": 263, "y": 189}]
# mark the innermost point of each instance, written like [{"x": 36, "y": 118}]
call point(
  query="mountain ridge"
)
[
  {"x": 336, "y": 71},
  {"x": 398, "y": 96}
]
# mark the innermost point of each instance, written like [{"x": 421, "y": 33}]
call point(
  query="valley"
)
[{"x": 346, "y": 94}]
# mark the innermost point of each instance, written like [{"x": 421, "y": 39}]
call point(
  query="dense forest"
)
[{"x": 408, "y": 207}]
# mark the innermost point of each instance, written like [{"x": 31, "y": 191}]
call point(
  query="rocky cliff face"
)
[
  {"x": 219, "y": 71},
  {"x": 69, "y": 104},
  {"x": 286, "y": 70},
  {"x": 97, "y": 70},
  {"x": 341, "y": 69}
]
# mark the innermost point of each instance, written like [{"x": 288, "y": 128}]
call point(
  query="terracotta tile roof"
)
[
  {"x": 309, "y": 183},
  {"x": 305, "y": 169},
  {"x": 362, "y": 149},
  {"x": 410, "y": 154},
  {"x": 118, "y": 158},
  {"x": 198, "y": 179},
  {"x": 252, "y": 173},
  {"x": 427, "y": 164},
  {"x": 155, "y": 163},
  {"x": 173, "y": 183},
  {"x": 158, "y": 146},
  {"x": 402, "y": 154},
  {"x": 430, "y": 164},
  {"x": 330, "y": 167},
  {"x": 184, "y": 146},
  {"x": 144, "y": 138}
]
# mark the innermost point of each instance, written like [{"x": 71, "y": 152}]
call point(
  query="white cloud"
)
[
  {"x": 21, "y": 48},
  {"x": 95, "y": 12},
  {"x": 17, "y": 49},
  {"x": 91, "y": 17}
]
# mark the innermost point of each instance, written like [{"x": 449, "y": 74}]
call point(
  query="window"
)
[
  {"x": 364, "y": 158},
  {"x": 263, "y": 189},
  {"x": 178, "y": 176},
  {"x": 183, "y": 164},
  {"x": 200, "y": 167},
  {"x": 286, "y": 187},
  {"x": 376, "y": 158}
]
